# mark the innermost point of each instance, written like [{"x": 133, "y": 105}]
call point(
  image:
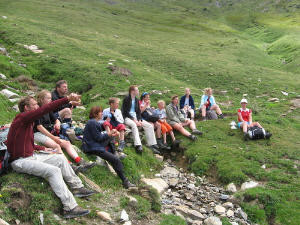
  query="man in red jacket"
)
[{"x": 26, "y": 157}]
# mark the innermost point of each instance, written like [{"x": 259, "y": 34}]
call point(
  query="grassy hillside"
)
[{"x": 242, "y": 47}]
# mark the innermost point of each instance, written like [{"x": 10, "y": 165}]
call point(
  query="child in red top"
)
[{"x": 245, "y": 118}]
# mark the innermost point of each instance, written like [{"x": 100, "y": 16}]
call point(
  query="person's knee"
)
[{"x": 53, "y": 171}]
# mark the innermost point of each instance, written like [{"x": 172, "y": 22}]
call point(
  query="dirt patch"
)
[
  {"x": 119, "y": 70},
  {"x": 31, "y": 84},
  {"x": 295, "y": 103}
]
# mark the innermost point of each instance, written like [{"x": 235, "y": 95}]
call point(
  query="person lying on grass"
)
[
  {"x": 96, "y": 141},
  {"x": 245, "y": 120},
  {"x": 46, "y": 131},
  {"x": 177, "y": 120},
  {"x": 26, "y": 157}
]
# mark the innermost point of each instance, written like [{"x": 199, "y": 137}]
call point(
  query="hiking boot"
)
[
  {"x": 192, "y": 137},
  {"x": 83, "y": 166},
  {"x": 76, "y": 212},
  {"x": 127, "y": 184},
  {"x": 82, "y": 192},
  {"x": 268, "y": 135},
  {"x": 246, "y": 136},
  {"x": 138, "y": 149},
  {"x": 221, "y": 116},
  {"x": 166, "y": 147},
  {"x": 162, "y": 146},
  {"x": 155, "y": 149},
  {"x": 198, "y": 132},
  {"x": 121, "y": 146}
]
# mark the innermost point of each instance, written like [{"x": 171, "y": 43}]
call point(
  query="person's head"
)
[
  {"x": 96, "y": 112},
  {"x": 161, "y": 104},
  {"x": 114, "y": 103},
  {"x": 43, "y": 97},
  {"x": 175, "y": 99},
  {"x": 145, "y": 96},
  {"x": 244, "y": 103},
  {"x": 208, "y": 91},
  {"x": 27, "y": 104},
  {"x": 61, "y": 87},
  {"x": 187, "y": 91},
  {"x": 133, "y": 90}
]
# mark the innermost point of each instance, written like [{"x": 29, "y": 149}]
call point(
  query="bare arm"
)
[
  {"x": 240, "y": 117},
  {"x": 44, "y": 131}
]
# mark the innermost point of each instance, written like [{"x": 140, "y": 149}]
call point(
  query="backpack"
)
[
  {"x": 256, "y": 133},
  {"x": 4, "y": 155}
]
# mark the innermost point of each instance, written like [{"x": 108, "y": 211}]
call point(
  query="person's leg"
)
[
  {"x": 181, "y": 129},
  {"x": 114, "y": 161},
  {"x": 172, "y": 135},
  {"x": 149, "y": 132},
  {"x": 158, "y": 129},
  {"x": 192, "y": 124},
  {"x": 37, "y": 165},
  {"x": 65, "y": 115},
  {"x": 70, "y": 150},
  {"x": 203, "y": 111},
  {"x": 164, "y": 132},
  {"x": 192, "y": 112},
  {"x": 170, "y": 131},
  {"x": 134, "y": 130},
  {"x": 245, "y": 127},
  {"x": 255, "y": 124},
  {"x": 217, "y": 109},
  {"x": 121, "y": 128},
  {"x": 49, "y": 143}
]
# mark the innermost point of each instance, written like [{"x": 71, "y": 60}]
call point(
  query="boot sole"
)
[
  {"x": 83, "y": 195},
  {"x": 78, "y": 215}
]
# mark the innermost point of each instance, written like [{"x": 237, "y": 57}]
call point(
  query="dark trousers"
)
[{"x": 113, "y": 160}]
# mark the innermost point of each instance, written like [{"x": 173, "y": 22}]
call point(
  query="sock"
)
[{"x": 77, "y": 159}]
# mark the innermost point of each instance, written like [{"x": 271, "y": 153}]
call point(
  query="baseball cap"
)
[{"x": 244, "y": 101}]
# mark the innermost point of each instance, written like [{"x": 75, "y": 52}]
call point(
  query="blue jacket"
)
[
  {"x": 191, "y": 102},
  {"x": 95, "y": 137},
  {"x": 204, "y": 100}
]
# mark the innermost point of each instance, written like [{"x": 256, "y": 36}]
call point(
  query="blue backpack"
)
[{"x": 4, "y": 155}]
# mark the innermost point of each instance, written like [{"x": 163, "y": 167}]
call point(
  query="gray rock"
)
[
  {"x": 173, "y": 182},
  {"x": 2, "y": 76},
  {"x": 104, "y": 215},
  {"x": 242, "y": 214},
  {"x": 224, "y": 197},
  {"x": 202, "y": 210},
  {"x": 228, "y": 205},
  {"x": 229, "y": 213},
  {"x": 159, "y": 157},
  {"x": 219, "y": 209},
  {"x": 3, "y": 222},
  {"x": 157, "y": 183},
  {"x": 169, "y": 172},
  {"x": 127, "y": 223},
  {"x": 124, "y": 216},
  {"x": 231, "y": 188},
  {"x": 122, "y": 93},
  {"x": 248, "y": 185},
  {"x": 213, "y": 220},
  {"x": 234, "y": 223},
  {"x": 9, "y": 94},
  {"x": 193, "y": 214},
  {"x": 273, "y": 99},
  {"x": 16, "y": 108}
]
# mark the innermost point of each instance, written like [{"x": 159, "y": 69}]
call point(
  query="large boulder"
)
[
  {"x": 157, "y": 183},
  {"x": 9, "y": 94}
]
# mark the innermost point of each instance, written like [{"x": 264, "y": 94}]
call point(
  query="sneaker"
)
[
  {"x": 83, "y": 166},
  {"x": 127, "y": 184},
  {"x": 121, "y": 146},
  {"x": 221, "y": 116},
  {"x": 268, "y": 135},
  {"x": 193, "y": 137},
  {"x": 166, "y": 147},
  {"x": 154, "y": 149},
  {"x": 76, "y": 212},
  {"x": 198, "y": 132},
  {"x": 138, "y": 149},
  {"x": 82, "y": 192}
]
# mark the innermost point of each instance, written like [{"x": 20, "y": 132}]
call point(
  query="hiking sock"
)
[{"x": 77, "y": 159}]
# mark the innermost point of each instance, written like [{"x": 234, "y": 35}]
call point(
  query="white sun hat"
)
[{"x": 244, "y": 101}]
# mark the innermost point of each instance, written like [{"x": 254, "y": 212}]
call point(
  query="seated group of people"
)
[{"x": 40, "y": 122}]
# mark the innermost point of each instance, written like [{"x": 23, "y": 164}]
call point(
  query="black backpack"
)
[
  {"x": 256, "y": 133},
  {"x": 4, "y": 155}
]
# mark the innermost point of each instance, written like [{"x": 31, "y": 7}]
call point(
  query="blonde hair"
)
[
  {"x": 161, "y": 101},
  {"x": 206, "y": 90},
  {"x": 113, "y": 100},
  {"x": 41, "y": 95}
]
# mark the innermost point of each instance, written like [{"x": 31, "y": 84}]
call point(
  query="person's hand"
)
[
  {"x": 187, "y": 120},
  {"x": 138, "y": 123},
  {"x": 57, "y": 126},
  {"x": 57, "y": 140},
  {"x": 74, "y": 103},
  {"x": 74, "y": 97}
]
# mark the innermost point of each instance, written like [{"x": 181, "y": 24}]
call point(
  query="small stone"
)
[
  {"x": 104, "y": 215},
  {"x": 4, "y": 17},
  {"x": 224, "y": 197},
  {"x": 228, "y": 205},
  {"x": 263, "y": 166},
  {"x": 219, "y": 209},
  {"x": 273, "y": 100},
  {"x": 202, "y": 210},
  {"x": 231, "y": 188},
  {"x": 229, "y": 213},
  {"x": 248, "y": 185},
  {"x": 17, "y": 221},
  {"x": 234, "y": 223},
  {"x": 284, "y": 93},
  {"x": 159, "y": 157},
  {"x": 213, "y": 220},
  {"x": 56, "y": 217},
  {"x": 170, "y": 172},
  {"x": 9, "y": 94},
  {"x": 3, "y": 222},
  {"x": 127, "y": 223},
  {"x": 173, "y": 182},
  {"x": 132, "y": 201},
  {"x": 157, "y": 175},
  {"x": 243, "y": 214},
  {"x": 16, "y": 108},
  {"x": 157, "y": 183},
  {"x": 245, "y": 95},
  {"x": 42, "y": 218},
  {"x": 124, "y": 216},
  {"x": 2, "y": 76}
]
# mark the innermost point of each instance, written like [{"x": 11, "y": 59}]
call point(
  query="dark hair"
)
[
  {"x": 174, "y": 96},
  {"x": 113, "y": 100},
  {"x": 59, "y": 83},
  {"x": 144, "y": 95},
  {"x": 24, "y": 102},
  {"x": 95, "y": 111},
  {"x": 131, "y": 88}
]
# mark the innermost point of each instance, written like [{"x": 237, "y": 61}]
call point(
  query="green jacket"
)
[{"x": 174, "y": 115}]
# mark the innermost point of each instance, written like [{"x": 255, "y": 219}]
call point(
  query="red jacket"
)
[{"x": 20, "y": 140}]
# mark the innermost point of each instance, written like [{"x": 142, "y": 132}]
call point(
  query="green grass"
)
[{"x": 169, "y": 45}]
